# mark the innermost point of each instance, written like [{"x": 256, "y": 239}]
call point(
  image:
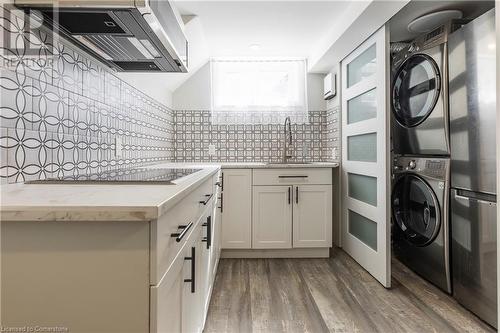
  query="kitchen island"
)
[{"x": 110, "y": 258}]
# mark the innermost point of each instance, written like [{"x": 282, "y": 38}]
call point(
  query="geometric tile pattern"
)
[
  {"x": 61, "y": 110},
  {"x": 194, "y": 132},
  {"x": 332, "y": 134}
]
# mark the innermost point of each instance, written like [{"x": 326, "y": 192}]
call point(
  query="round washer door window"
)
[
  {"x": 415, "y": 90},
  {"x": 415, "y": 210}
]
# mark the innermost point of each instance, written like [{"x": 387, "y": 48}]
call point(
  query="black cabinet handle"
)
[
  {"x": 208, "y": 239},
  {"x": 193, "y": 269},
  {"x": 289, "y": 195},
  {"x": 221, "y": 202},
  {"x": 296, "y": 194},
  {"x": 297, "y": 176},
  {"x": 208, "y": 197},
  {"x": 180, "y": 236},
  {"x": 222, "y": 181}
]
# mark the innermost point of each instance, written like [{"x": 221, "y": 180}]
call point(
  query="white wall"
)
[
  {"x": 194, "y": 94},
  {"x": 335, "y": 101},
  {"x": 152, "y": 84}
]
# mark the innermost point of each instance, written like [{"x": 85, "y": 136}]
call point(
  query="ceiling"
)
[{"x": 278, "y": 28}]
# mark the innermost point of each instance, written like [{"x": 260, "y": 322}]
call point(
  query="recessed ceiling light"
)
[{"x": 254, "y": 47}]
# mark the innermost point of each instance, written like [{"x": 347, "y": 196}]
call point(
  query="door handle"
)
[
  {"x": 208, "y": 197},
  {"x": 208, "y": 239},
  {"x": 180, "y": 236},
  {"x": 193, "y": 269},
  {"x": 295, "y": 176},
  {"x": 221, "y": 202},
  {"x": 296, "y": 194},
  {"x": 289, "y": 195}
]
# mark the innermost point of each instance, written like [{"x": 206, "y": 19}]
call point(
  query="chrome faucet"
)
[{"x": 287, "y": 140}]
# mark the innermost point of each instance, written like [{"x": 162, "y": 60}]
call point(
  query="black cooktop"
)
[{"x": 162, "y": 176}]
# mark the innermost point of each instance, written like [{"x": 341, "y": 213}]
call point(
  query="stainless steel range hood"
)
[{"x": 128, "y": 35}]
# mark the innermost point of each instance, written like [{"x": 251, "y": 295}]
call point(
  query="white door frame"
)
[{"x": 376, "y": 262}]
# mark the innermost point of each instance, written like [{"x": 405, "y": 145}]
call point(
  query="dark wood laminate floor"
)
[{"x": 328, "y": 295}]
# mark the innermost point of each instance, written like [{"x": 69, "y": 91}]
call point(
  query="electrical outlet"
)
[
  {"x": 118, "y": 146},
  {"x": 335, "y": 153},
  {"x": 211, "y": 150}
]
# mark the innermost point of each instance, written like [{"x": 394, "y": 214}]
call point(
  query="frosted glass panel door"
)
[{"x": 365, "y": 156}]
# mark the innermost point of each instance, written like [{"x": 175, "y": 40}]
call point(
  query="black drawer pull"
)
[
  {"x": 297, "y": 176},
  {"x": 221, "y": 202},
  {"x": 208, "y": 239},
  {"x": 180, "y": 236},
  {"x": 208, "y": 196},
  {"x": 193, "y": 269}
]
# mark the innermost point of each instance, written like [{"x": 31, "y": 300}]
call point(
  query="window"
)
[{"x": 258, "y": 91}]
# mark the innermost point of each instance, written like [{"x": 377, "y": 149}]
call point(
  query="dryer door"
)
[
  {"x": 415, "y": 90},
  {"x": 415, "y": 210}
]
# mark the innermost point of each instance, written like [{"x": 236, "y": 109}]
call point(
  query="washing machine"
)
[
  {"x": 420, "y": 226},
  {"x": 419, "y": 95}
]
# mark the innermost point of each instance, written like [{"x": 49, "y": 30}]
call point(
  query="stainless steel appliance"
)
[
  {"x": 128, "y": 35},
  {"x": 473, "y": 166},
  {"x": 420, "y": 123},
  {"x": 420, "y": 229},
  {"x": 146, "y": 175}
]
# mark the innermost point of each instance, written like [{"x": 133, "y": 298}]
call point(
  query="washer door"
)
[
  {"x": 415, "y": 90},
  {"x": 416, "y": 210}
]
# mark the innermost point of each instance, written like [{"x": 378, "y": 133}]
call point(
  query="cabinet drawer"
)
[
  {"x": 164, "y": 247},
  {"x": 168, "y": 297},
  {"x": 292, "y": 176}
]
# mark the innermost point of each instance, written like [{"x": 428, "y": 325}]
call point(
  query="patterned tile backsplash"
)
[
  {"x": 61, "y": 112},
  {"x": 194, "y": 132}
]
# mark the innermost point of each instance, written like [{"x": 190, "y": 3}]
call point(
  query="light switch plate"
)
[{"x": 211, "y": 150}]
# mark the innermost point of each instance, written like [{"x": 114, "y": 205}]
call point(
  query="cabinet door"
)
[
  {"x": 237, "y": 209},
  {"x": 193, "y": 286},
  {"x": 205, "y": 264},
  {"x": 312, "y": 216},
  {"x": 272, "y": 217},
  {"x": 166, "y": 301}
]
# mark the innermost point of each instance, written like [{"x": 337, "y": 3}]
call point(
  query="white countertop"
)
[
  {"x": 262, "y": 165},
  {"x": 111, "y": 202}
]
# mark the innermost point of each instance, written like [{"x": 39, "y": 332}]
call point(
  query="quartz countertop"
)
[
  {"x": 113, "y": 202},
  {"x": 262, "y": 165},
  {"x": 96, "y": 202}
]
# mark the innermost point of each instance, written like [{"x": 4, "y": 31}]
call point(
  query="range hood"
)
[{"x": 128, "y": 35}]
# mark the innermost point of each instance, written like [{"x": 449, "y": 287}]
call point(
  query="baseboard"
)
[{"x": 323, "y": 252}]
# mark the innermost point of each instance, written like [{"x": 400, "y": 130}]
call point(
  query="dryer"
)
[
  {"x": 419, "y": 95},
  {"x": 420, "y": 228}
]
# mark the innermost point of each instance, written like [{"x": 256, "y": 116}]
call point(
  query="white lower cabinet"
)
[
  {"x": 180, "y": 302},
  {"x": 236, "y": 206},
  {"x": 272, "y": 217},
  {"x": 312, "y": 216},
  {"x": 292, "y": 208}
]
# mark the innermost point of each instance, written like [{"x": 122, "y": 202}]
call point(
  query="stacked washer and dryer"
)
[
  {"x": 421, "y": 148},
  {"x": 444, "y": 163}
]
